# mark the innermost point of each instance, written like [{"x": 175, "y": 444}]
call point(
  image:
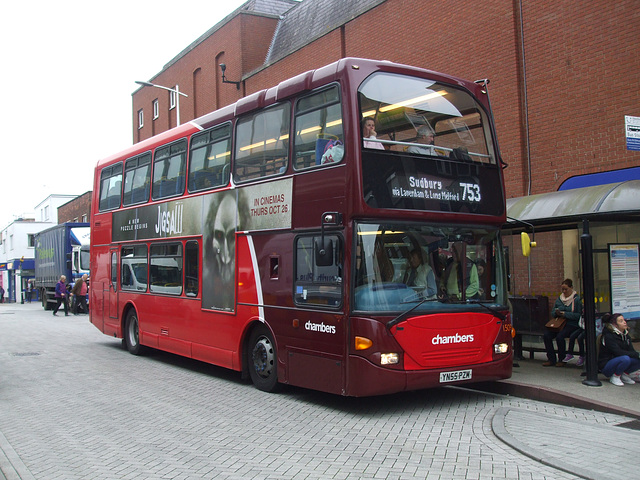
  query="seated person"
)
[
  {"x": 453, "y": 281},
  {"x": 369, "y": 132},
  {"x": 617, "y": 357},
  {"x": 425, "y": 136},
  {"x": 418, "y": 274}
]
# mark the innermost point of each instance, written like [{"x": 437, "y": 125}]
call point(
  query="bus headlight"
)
[
  {"x": 500, "y": 348},
  {"x": 388, "y": 358}
]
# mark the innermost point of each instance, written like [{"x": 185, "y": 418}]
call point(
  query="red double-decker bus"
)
[{"x": 271, "y": 238}]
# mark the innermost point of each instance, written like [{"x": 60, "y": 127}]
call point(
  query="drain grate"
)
[
  {"x": 633, "y": 425},
  {"x": 25, "y": 354}
]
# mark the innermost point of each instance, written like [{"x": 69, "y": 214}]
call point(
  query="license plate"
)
[{"x": 455, "y": 376}]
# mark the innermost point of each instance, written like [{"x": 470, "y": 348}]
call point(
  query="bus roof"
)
[{"x": 287, "y": 88}]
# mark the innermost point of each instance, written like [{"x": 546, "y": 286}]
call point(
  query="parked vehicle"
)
[{"x": 60, "y": 250}]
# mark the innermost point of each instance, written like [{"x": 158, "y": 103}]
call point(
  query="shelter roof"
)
[{"x": 601, "y": 202}]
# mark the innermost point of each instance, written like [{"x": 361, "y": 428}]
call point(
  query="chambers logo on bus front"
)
[
  {"x": 457, "y": 338},
  {"x": 320, "y": 327}
]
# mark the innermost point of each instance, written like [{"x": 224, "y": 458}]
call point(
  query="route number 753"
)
[{"x": 470, "y": 192}]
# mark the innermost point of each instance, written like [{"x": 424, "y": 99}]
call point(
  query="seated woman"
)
[
  {"x": 569, "y": 307},
  {"x": 369, "y": 134}
]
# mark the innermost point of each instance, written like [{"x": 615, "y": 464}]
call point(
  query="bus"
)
[{"x": 269, "y": 237}]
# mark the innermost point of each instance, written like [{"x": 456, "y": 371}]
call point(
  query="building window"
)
[
  {"x": 84, "y": 218},
  {"x": 140, "y": 119},
  {"x": 172, "y": 98},
  {"x": 10, "y": 242},
  {"x": 46, "y": 213},
  {"x": 31, "y": 240},
  {"x": 156, "y": 109}
]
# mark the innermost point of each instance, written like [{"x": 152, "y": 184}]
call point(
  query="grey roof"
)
[
  {"x": 311, "y": 19},
  {"x": 269, "y": 7}
]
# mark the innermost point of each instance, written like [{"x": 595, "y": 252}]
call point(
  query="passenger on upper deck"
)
[
  {"x": 369, "y": 132},
  {"x": 425, "y": 136},
  {"x": 420, "y": 274}
]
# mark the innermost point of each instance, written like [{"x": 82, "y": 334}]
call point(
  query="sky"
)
[{"x": 68, "y": 70}]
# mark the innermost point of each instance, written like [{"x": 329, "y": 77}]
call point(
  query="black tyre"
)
[
  {"x": 262, "y": 360},
  {"x": 132, "y": 334},
  {"x": 43, "y": 299}
]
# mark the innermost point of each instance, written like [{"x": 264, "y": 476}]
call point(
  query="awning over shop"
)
[{"x": 614, "y": 201}]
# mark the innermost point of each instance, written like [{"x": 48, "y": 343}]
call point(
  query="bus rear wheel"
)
[
  {"x": 132, "y": 333},
  {"x": 262, "y": 360}
]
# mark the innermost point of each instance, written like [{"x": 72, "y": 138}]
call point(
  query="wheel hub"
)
[{"x": 263, "y": 357}]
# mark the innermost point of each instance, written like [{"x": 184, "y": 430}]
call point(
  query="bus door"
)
[
  {"x": 113, "y": 284},
  {"x": 316, "y": 358}
]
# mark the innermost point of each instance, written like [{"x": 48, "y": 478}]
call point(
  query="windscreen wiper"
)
[
  {"x": 404, "y": 314},
  {"x": 495, "y": 312}
]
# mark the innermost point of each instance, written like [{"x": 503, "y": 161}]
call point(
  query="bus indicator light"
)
[{"x": 362, "y": 343}]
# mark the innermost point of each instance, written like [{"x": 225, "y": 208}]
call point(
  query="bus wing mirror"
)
[
  {"x": 324, "y": 249},
  {"x": 324, "y": 252},
  {"x": 527, "y": 244}
]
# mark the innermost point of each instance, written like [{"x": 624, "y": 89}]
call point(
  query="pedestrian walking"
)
[
  {"x": 79, "y": 293},
  {"x": 61, "y": 296}
]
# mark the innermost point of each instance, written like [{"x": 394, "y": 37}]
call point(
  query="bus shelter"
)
[{"x": 588, "y": 234}]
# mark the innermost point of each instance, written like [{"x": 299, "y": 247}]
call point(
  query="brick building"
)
[
  {"x": 76, "y": 210},
  {"x": 563, "y": 77}
]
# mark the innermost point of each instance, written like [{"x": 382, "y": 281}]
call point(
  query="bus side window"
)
[
  {"x": 262, "y": 144},
  {"x": 165, "y": 268},
  {"x": 318, "y": 129},
  {"x": 314, "y": 284},
  {"x": 209, "y": 159},
  {"x": 110, "y": 187},
  {"x": 191, "y": 267},
  {"x": 137, "y": 180},
  {"x": 169, "y": 166}
]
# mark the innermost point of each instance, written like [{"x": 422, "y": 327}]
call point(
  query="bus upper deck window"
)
[{"x": 318, "y": 129}]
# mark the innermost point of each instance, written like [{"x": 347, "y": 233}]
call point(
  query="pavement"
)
[
  {"x": 545, "y": 417},
  {"x": 564, "y": 386}
]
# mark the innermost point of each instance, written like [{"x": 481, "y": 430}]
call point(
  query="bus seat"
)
[
  {"x": 204, "y": 179},
  {"x": 321, "y": 143}
]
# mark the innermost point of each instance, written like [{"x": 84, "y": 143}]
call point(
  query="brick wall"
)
[{"x": 73, "y": 210}]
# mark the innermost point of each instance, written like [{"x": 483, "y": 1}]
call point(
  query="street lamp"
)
[{"x": 174, "y": 90}]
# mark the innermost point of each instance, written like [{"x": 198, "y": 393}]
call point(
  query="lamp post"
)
[{"x": 174, "y": 90}]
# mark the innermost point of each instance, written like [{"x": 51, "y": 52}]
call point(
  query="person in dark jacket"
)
[
  {"x": 567, "y": 306},
  {"x": 617, "y": 358},
  {"x": 61, "y": 296}
]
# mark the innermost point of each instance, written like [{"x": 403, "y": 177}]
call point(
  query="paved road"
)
[{"x": 74, "y": 405}]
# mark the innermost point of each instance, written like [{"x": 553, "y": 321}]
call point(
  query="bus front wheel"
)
[
  {"x": 262, "y": 360},
  {"x": 132, "y": 334}
]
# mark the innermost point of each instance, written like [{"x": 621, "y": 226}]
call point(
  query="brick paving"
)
[{"x": 75, "y": 405}]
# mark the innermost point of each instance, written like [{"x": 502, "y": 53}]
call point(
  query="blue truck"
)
[{"x": 60, "y": 250}]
